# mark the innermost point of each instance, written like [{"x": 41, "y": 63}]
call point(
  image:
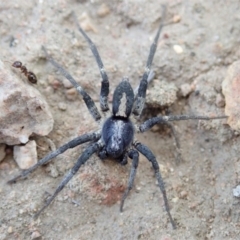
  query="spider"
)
[{"x": 115, "y": 138}]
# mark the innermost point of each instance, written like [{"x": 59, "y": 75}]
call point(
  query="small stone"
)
[
  {"x": 35, "y": 235},
  {"x": 71, "y": 94},
  {"x": 62, "y": 106},
  {"x": 186, "y": 89},
  {"x": 86, "y": 23},
  {"x": 183, "y": 194},
  {"x": 21, "y": 211},
  {"x": 25, "y": 156},
  {"x": 178, "y": 49},
  {"x": 236, "y": 191},
  {"x": 176, "y": 18},
  {"x": 103, "y": 11},
  {"x": 67, "y": 84},
  {"x": 193, "y": 205},
  {"x": 175, "y": 200},
  {"x": 10, "y": 229}
]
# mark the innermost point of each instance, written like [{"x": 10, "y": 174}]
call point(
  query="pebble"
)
[
  {"x": 67, "y": 84},
  {"x": 178, "y": 49},
  {"x": 183, "y": 194},
  {"x": 186, "y": 89},
  {"x": 103, "y": 11},
  {"x": 53, "y": 82},
  {"x": 176, "y": 18},
  {"x": 236, "y": 191},
  {"x": 175, "y": 200},
  {"x": 62, "y": 106},
  {"x": 35, "y": 235},
  {"x": 25, "y": 156},
  {"x": 10, "y": 230},
  {"x": 86, "y": 23},
  {"x": 71, "y": 94}
]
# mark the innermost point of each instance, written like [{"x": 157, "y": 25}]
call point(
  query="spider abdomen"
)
[{"x": 117, "y": 134}]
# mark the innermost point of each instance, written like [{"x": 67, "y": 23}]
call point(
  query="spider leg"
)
[
  {"x": 149, "y": 155},
  {"x": 73, "y": 143},
  {"x": 134, "y": 155},
  {"x": 87, "y": 99},
  {"x": 141, "y": 95},
  {"x": 105, "y": 83},
  {"x": 149, "y": 80},
  {"x": 163, "y": 119},
  {"x": 82, "y": 159}
]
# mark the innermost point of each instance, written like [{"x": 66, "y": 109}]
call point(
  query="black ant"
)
[{"x": 30, "y": 75}]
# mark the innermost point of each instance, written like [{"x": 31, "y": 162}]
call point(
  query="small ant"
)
[{"x": 30, "y": 75}]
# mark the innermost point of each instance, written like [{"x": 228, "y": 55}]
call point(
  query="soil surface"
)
[{"x": 199, "y": 41}]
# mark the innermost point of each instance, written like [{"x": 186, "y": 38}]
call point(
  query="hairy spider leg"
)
[
  {"x": 163, "y": 119},
  {"x": 149, "y": 80},
  {"x": 81, "y": 160},
  {"x": 144, "y": 150},
  {"x": 87, "y": 99},
  {"x": 105, "y": 83},
  {"x": 73, "y": 143},
  {"x": 141, "y": 95},
  {"x": 166, "y": 120},
  {"x": 134, "y": 155}
]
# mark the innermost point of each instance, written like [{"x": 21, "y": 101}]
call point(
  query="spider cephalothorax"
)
[{"x": 115, "y": 138}]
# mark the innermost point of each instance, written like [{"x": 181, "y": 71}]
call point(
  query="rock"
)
[
  {"x": 161, "y": 94},
  {"x": 86, "y": 23},
  {"x": 25, "y": 156},
  {"x": 178, "y": 49},
  {"x": 23, "y": 110},
  {"x": 71, "y": 94},
  {"x": 236, "y": 191},
  {"x": 62, "y": 106},
  {"x": 36, "y": 235},
  {"x": 176, "y": 18},
  {"x": 2, "y": 151},
  {"x": 186, "y": 89},
  {"x": 231, "y": 91}
]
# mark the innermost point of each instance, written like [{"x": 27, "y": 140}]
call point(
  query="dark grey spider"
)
[{"x": 115, "y": 139}]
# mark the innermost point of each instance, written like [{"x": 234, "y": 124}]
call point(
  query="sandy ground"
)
[{"x": 199, "y": 188}]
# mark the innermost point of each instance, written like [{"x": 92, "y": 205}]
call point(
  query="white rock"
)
[
  {"x": 186, "y": 89},
  {"x": 236, "y": 191},
  {"x": 23, "y": 109},
  {"x": 25, "y": 156},
  {"x": 178, "y": 49}
]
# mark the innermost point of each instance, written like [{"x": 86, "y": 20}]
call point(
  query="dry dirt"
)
[{"x": 199, "y": 188}]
